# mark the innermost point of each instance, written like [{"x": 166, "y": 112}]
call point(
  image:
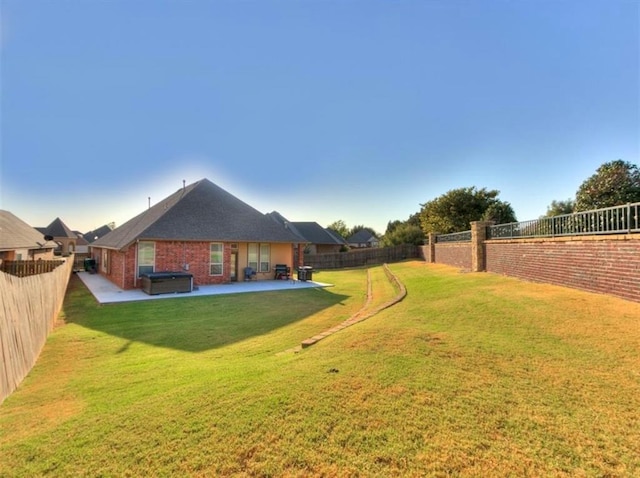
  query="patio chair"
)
[{"x": 249, "y": 273}]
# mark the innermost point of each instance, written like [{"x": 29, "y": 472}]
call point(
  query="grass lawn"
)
[{"x": 470, "y": 375}]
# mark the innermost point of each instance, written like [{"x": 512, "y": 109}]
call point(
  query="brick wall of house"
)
[
  {"x": 608, "y": 264},
  {"x": 192, "y": 257},
  {"x": 456, "y": 254},
  {"x": 188, "y": 256},
  {"x": 116, "y": 265}
]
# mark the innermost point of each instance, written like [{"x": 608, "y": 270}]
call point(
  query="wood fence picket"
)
[{"x": 29, "y": 307}]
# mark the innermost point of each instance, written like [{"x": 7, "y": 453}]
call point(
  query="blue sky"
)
[{"x": 321, "y": 110}]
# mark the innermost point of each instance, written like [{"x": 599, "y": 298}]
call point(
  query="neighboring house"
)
[
  {"x": 318, "y": 240},
  {"x": 363, "y": 238},
  {"x": 20, "y": 242},
  {"x": 201, "y": 229},
  {"x": 61, "y": 234},
  {"x": 82, "y": 245},
  {"x": 96, "y": 234}
]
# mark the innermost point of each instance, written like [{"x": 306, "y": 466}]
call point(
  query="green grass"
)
[{"x": 470, "y": 375}]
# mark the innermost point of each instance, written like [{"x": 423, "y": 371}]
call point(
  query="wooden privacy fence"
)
[
  {"x": 362, "y": 257},
  {"x": 29, "y": 268},
  {"x": 28, "y": 309}
]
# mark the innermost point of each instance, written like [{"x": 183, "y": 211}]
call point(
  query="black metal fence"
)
[
  {"x": 464, "y": 236},
  {"x": 623, "y": 219}
]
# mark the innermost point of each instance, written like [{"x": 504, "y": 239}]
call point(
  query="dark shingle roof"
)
[
  {"x": 58, "y": 229},
  {"x": 315, "y": 233},
  {"x": 337, "y": 237},
  {"x": 17, "y": 234},
  {"x": 311, "y": 232},
  {"x": 361, "y": 237},
  {"x": 91, "y": 236},
  {"x": 201, "y": 211}
]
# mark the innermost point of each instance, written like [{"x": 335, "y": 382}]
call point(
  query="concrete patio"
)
[{"x": 106, "y": 292}]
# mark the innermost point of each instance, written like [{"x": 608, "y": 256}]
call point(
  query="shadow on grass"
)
[{"x": 195, "y": 324}]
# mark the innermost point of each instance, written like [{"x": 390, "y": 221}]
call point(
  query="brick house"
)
[{"x": 202, "y": 229}]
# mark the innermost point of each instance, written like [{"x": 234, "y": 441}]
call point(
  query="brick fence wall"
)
[
  {"x": 457, "y": 254},
  {"x": 608, "y": 264}
]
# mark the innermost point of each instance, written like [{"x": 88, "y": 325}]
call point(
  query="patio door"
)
[{"x": 234, "y": 266}]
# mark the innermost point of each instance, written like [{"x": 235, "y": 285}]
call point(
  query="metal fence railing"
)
[
  {"x": 464, "y": 236},
  {"x": 612, "y": 220}
]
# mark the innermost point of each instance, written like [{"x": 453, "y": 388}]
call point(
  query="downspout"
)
[{"x": 135, "y": 266}]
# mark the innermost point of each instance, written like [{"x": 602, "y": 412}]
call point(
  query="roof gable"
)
[
  {"x": 201, "y": 211},
  {"x": 59, "y": 229}
]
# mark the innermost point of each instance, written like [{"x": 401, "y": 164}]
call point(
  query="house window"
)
[
  {"x": 259, "y": 257},
  {"x": 216, "y": 259},
  {"x": 252, "y": 257},
  {"x": 146, "y": 257},
  {"x": 265, "y": 250}
]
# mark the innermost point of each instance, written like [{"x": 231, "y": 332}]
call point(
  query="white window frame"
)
[
  {"x": 145, "y": 262},
  {"x": 213, "y": 263},
  {"x": 259, "y": 256},
  {"x": 265, "y": 257},
  {"x": 253, "y": 255}
]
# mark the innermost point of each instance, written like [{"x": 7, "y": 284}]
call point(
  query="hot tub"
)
[{"x": 167, "y": 282}]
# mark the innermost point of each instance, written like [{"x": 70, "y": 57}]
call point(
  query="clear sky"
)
[{"x": 359, "y": 110}]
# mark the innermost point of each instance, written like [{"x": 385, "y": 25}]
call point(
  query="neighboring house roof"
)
[
  {"x": 311, "y": 232},
  {"x": 284, "y": 222},
  {"x": 81, "y": 241},
  {"x": 201, "y": 211},
  {"x": 17, "y": 234},
  {"x": 337, "y": 237},
  {"x": 58, "y": 229},
  {"x": 97, "y": 233},
  {"x": 362, "y": 237},
  {"x": 316, "y": 234}
]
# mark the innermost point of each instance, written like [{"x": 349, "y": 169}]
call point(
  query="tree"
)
[
  {"x": 455, "y": 210},
  {"x": 613, "y": 184},
  {"x": 404, "y": 232},
  {"x": 499, "y": 212},
  {"x": 340, "y": 227},
  {"x": 558, "y": 208}
]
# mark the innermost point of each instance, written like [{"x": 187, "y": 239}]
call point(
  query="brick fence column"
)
[
  {"x": 478, "y": 236},
  {"x": 432, "y": 247}
]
